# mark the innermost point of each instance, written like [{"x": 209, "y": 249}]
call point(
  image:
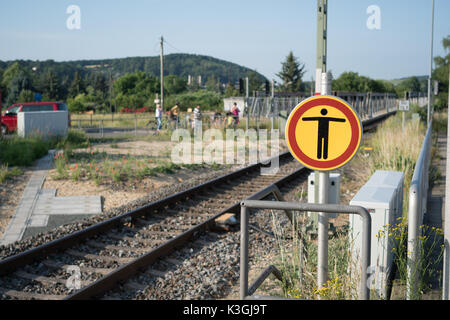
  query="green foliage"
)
[
  {"x": 231, "y": 91},
  {"x": 441, "y": 73},
  {"x": 76, "y": 106},
  {"x": 10, "y": 72},
  {"x": 22, "y": 152},
  {"x": 20, "y": 82},
  {"x": 174, "y": 84},
  {"x": 26, "y": 96},
  {"x": 414, "y": 108},
  {"x": 291, "y": 73},
  {"x": 208, "y": 100},
  {"x": 74, "y": 139},
  {"x": 50, "y": 85},
  {"x": 133, "y": 90},
  {"x": 353, "y": 82},
  {"x": 6, "y": 173},
  {"x": 411, "y": 84}
]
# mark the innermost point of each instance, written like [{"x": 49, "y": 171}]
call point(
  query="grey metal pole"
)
[
  {"x": 431, "y": 67},
  {"x": 364, "y": 292},
  {"x": 446, "y": 261},
  {"x": 413, "y": 231},
  {"x": 162, "y": 73},
  {"x": 418, "y": 192},
  {"x": 272, "y": 95},
  {"x": 322, "y": 234},
  {"x": 246, "y": 102},
  {"x": 244, "y": 253},
  {"x": 403, "y": 120}
]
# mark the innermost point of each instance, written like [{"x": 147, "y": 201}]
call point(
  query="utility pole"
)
[
  {"x": 431, "y": 67},
  {"x": 162, "y": 73},
  {"x": 322, "y": 178},
  {"x": 110, "y": 91},
  {"x": 247, "y": 107},
  {"x": 321, "y": 62},
  {"x": 272, "y": 103}
]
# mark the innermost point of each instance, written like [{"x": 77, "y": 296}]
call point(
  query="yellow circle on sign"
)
[
  {"x": 339, "y": 133},
  {"x": 323, "y": 132}
]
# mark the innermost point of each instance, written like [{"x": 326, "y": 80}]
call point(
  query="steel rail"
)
[
  {"x": 122, "y": 273},
  {"x": 107, "y": 282},
  {"x": 13, "y": 262}
]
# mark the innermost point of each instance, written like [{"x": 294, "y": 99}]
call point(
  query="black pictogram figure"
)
[{"x": 323, "y": 132}]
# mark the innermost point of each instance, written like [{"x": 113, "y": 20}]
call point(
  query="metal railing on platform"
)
[
  {"x": 247, "y": 292},
  {"x": 418, "y": 196}
]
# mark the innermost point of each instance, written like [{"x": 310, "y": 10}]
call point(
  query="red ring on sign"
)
[{"x": 348, "y": 153}]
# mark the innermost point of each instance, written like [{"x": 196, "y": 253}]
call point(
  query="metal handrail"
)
[
  {"x": 418, "y": 195},
  {"x": 364, "y": 293}
]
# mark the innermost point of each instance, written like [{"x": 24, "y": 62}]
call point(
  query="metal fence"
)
[
  {"x": 418, "y": 196},
  {"x": 247, "y": 292},
  {"x": 367, "y": 105}
]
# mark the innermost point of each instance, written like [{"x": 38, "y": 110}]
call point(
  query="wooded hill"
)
[{"x": 179, "y": 64}]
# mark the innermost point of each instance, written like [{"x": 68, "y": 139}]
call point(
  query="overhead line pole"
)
[
  {"x": 322, "y": 176},
  {"x": 431, "y": 67},
  {"x": 162, "y": 73}
]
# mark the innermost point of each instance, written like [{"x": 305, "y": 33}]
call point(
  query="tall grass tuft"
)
[
  {"x": 297, "y": 262},
  {"x": 396, "y": 149},
  {"x": 22, "y": 152}
]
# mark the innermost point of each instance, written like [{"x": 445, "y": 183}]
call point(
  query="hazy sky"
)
[{"x": 256, "y": 34}]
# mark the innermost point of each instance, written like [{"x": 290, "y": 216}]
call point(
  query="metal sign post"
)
[
  {"x": 323, "y": 133},
  {"x": 404, "y": 107}
]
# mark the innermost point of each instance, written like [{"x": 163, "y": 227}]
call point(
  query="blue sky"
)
[{"x": 256, "y": 34}]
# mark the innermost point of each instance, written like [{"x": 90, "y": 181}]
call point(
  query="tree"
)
[
  {"x": 254, "y": 81},
  {"x": 50, "y": 86},
  {"x": 76, "y": 106},
  {"x": 11, "y": 72},
  {"x": 212, "y": 84},
  {"x": 231, "y": 91},
  {"x": 174, "y": 84},
  {"x": 347, "y": 81},
  {"x": 77, "y": 86},
  {"x": 17, "y": 84},
  {"x": 291, "y": 73},
  {"x": 25, "y": 96},
  {"x": 353, "y": 82},
  {"x": 440, "y": 73}
]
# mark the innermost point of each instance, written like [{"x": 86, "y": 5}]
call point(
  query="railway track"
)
[
  {"x": 109, "y": 253},
  {"x": 112, "y": 251}
]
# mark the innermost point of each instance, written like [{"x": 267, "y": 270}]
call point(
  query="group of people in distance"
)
[{"x": 231, "y": 120}]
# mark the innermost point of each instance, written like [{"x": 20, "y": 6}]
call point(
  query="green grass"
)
[
  {"x": 6, "y": 173},
  {"x": 23, "y": 152}
]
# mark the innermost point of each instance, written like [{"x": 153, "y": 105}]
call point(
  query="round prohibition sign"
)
[{"x": 323, "y": 133}]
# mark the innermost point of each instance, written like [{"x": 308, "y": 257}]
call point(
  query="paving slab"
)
[
  {"x": 41, "y": 209},
  {"x": 17, "y": 225}
]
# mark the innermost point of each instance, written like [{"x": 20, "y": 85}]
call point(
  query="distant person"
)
[
  {"x": 174, "y": 114},
  {"x": 197, "y": 118},
  {"x": 235, "y": 112},
  {"x": 158, "y": 116},
  {"x": 217, "y": 119},
  {"x": 229, "y": 120}
]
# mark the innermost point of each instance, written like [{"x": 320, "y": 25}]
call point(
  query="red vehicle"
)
[{"x": 9, "y": 118}]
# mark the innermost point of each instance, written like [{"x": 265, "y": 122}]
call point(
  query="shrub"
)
[
  {"x": 22, "y": 152},
  {"x": 76, "y": 106}
]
